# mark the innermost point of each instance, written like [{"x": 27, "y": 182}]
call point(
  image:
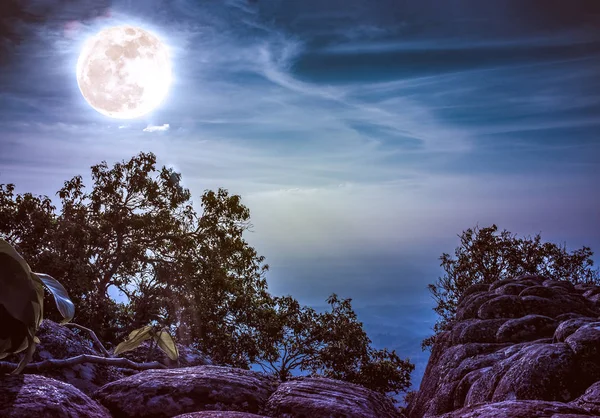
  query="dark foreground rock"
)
[
  {"x": 60, "y": 342},
  {"x": 166, "y": 393},
  {"x": 520, "y": 409},
  {"x": 320, "y": 397},
  {"x": 590, "y": 400},
  {"x": 219, "y": 414},
  {"x": 525, "y": 347},
  {"x": 33, "y": 396},
  {"x": 192, "y": 392}
]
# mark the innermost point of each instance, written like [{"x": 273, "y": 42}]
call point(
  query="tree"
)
[
  {"x": 332, "y": 344},
  {"x": 112, "y": 235},
  {"x": 293, "y": 332},
  {"x": 136, "y": 231},
  {"x": 224, "y": 276},
  {"x": 346, "y": 353},
  {"x": 485, "y": 256}
]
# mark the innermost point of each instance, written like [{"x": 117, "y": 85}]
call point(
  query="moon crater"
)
[{"x": 124, "y": 72}]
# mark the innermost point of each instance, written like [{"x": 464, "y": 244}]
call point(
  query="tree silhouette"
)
[{"x": 485, "y": 256}]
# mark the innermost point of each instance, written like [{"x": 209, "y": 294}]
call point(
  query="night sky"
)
[{"x": 364, "y": 135}]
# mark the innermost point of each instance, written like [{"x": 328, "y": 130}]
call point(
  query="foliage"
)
[
  {"x": 346, "y": 353},
  {"x": 136, "y": 231},
  {"x": 222, "y": 278},
  {"x": 293, "y": 332},
  {"x": 189, "y": 274},
  {"x": 485, "y": 256},
  {"x": 22, "y": 303},
  {"x": 22, "y": 306},
  {"x": 332, "y": 344},
  {"x": 161, "y": 337}
]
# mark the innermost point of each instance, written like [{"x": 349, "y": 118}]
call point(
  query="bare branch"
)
[
  {"x": 93, "y": 335},
  {"x": 83, "y": 358}
]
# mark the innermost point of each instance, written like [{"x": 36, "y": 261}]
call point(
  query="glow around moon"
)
[{"x": 124, "y": 72}]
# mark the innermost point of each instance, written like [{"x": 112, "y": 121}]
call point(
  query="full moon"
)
[{"x": 124, "y": 72}]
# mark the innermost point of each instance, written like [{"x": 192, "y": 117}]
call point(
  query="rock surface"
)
[
  {"x": 590, "y": 400},
  {"x": 520, "y": 409},
  {"x": 523, "y": 347},
  {"x": 60, "y": 342},
  {"x": 166, "y": 393},
  {"x": 194, "y": 392},
  {"x": 27, "y": 396},
  {"x": 320, "y": 397},
  {"x": 219, "y": 414}
]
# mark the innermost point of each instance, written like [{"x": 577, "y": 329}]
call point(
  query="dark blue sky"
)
[{"x": 363, "y": 135}]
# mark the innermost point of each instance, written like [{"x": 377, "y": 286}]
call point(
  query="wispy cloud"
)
[
  {"x": 420, "y": 152},
  {"x": 156, "y": 128}
]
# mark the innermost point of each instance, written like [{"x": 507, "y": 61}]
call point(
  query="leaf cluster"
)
[{"x": 332, "y": 344}]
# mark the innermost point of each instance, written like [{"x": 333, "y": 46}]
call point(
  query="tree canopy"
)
[
  {"x": 486, "y": 255},
  {"x": 331, "y": 344},
  {"x": 135, "y": 231}
]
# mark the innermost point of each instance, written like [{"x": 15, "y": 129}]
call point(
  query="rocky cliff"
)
[{"x": 525, "y": 347}]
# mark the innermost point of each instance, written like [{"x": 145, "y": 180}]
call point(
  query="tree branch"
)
[
  {"x": 83, "y": 358},
  {"x": 93, "y": 335}
]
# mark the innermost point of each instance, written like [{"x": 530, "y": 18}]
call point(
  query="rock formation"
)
[
  {"x": 192, "y": 392},
  {"x": 317, "y": 397},
  {"x": 523, "y": 347},
  {"x": 60, "y": 342},
  {"x": 28, "y": 395},
  {"x": 167, "y": 393},
  {"x": 204, "y": 391}
]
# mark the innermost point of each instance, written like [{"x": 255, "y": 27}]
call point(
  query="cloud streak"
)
[{"x": 157, "y": 128}]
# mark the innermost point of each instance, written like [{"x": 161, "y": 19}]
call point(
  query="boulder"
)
[
  {"x": 543, "y": 291},
  {"x": 545, "y": 353},
  {"x": 166, "y": 393},
  {"x": 446, "y": 373},
  {"x": 475, "y": 288},
  {"x": 323, "y": 398},
  {"x": 559, "y": 283},
  {"x": 537, "y": 305},
  {"x": 505, "y": 306},
  {"x": 525, "y": 279},
  {"x": 545, "y": 372},
  {"x": 477, "y": 330},
  {"x": 526, "y": 328},
  {"x": 482, "y": 389},
  {"x": 569, "y": 326},
  {"x": 471, "y": 305},
  {"x": 219, "y": 414},
  {"x": 60, "y": 342},
  {"x": 590, "y": 400},
  {"x": 585, "y": 343},
  {"x": 29, "y": 395},
  {"x": 510, "y": 289},
  {"x": 519, "y": 409}
]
